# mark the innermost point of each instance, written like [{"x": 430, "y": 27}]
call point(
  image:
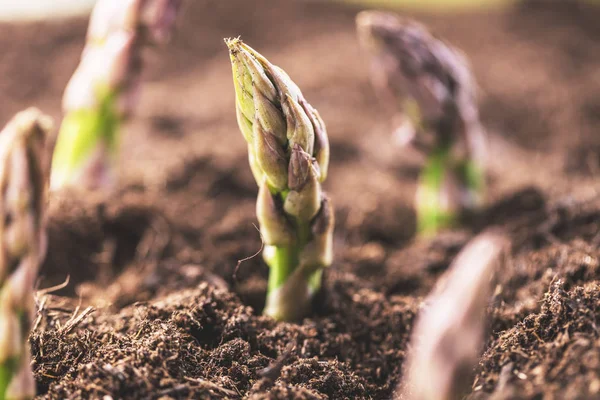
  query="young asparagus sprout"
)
[
  {"x": 289, "y": 154},
  {"x": 103, "y": 90},
  {"x": 431, "y": 84},
  {"x": 23, "y": 184},
  {"x": 449, "y": 332}
]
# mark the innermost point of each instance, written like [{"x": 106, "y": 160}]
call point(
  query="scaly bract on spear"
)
[
  {"x": 23, "y": 184},
  {"x": 431, "y": 84},
  {"x": 288, "y": 150},
  {"x": 103, "y": 90}
]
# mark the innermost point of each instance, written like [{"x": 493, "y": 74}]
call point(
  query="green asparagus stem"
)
[
  {"x": 103, "y": 90},
  {"x": 289, "y": 155},
  {"x": 23, "y": 184},
  {"x": 431, "y": 83},
  {"x": 449, "y": 331},
  {"x": 433, "y": 209}
]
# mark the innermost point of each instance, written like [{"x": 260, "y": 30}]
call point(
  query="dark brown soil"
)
[{"x": 155, "y": 306}]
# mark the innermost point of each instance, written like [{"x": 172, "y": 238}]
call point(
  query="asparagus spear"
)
[
  {"x": 449, "y": 331},
  {"x": 431, "y": 83},
  {"x": 23, "y": 184},
  {"x": 288, "y": 151},
  {"x": 103, "y": 90}
]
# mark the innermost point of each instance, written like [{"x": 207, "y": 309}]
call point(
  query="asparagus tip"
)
[
  {"x": 32, "y": 119},
  {"x": 449, "y": 331},
  {"x": 237, "y": 46},
  {"x": 233, "y": 43},
  {"x": 364, "y": 19}
]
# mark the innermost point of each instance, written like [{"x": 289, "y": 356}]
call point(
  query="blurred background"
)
[
  {"x": 537, "y": 63},
  {"x": 12, "y": 10}
]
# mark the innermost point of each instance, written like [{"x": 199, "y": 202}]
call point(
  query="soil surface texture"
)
[{"x": 157, "y": 305}]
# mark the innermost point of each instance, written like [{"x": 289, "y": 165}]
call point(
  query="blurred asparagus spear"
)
[
  {"x": 431, "y": 84},
  {"x": 449, "y": 331},
  {"x": 288, "y": 151},
  {"x": 23, "y": 184},
  {"x": 103, "y": 90}
]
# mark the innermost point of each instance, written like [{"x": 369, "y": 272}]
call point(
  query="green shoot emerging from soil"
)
[
  {"x": 288, "y": 151},
  {"x": 103, "y": 90},
  {"x": 449, "y": 331},
  {"x": 22, "y": 245},
  {"x": 431, "y": 83}
]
